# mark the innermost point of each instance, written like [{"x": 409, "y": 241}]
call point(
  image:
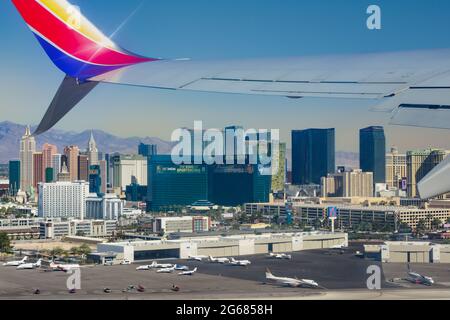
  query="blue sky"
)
[{"x": 223, "y": 29}]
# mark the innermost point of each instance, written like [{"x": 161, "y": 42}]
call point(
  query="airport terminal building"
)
[
  {"x": 222, "y": 246},
  {"x": 408, "y": 252}
]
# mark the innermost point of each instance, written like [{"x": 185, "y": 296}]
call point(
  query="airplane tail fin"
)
[
  {"x": 73, "y": 43},
  {"x": 77, "y": 47},
  {"x": 195, "y": 269},
  {"x": 268, "y": 273}
]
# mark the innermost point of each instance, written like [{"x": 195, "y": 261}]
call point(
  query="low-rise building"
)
[
  {"x": 105, "y": 207},
  {"x": 349, "y": 216},
  {"x": 186, "y": 224},
  {"x": 21, "y": 228},
  {"x": 224, "y": 246},
  {"x": 409, "y": 252},
  {"x": 89, "y": 228}
]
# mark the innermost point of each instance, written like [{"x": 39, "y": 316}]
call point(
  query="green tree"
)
[
  {"x": 58, "y": 251},
  {"x": 404, "y": 228},
  {"x": 317, "y": 223},
  {"x": 5, "y": 243},
  {"x": 74, "y": 251},
  {"x": 436, "y": 224},
  {"x": 84, "y": 249},
  {"x": 421, "y": 226}
]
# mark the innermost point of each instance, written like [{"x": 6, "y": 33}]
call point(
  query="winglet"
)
[{"x": 69, "y": 94}]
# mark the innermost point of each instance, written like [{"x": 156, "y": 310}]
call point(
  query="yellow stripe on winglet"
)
[{"x": 69, "y": 14}]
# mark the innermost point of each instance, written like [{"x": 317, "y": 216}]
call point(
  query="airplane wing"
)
[{"x": 406, "y": 84}]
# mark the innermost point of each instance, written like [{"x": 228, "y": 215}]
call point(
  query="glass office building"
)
[
  {"x": 313, "y": 155},
  {"x": 147, "y": 150},
  {"x": 171, "y": 185},
  {"x": 14, "y": 177},
  {"x": 95, "y": 179},
  {"x": 372, "y": 152},
  {"x": 233, "y": 185}
]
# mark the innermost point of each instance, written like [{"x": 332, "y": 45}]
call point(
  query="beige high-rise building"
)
[
  {"x": 353, "y": 183},
  {"x": 72, "y": 153},
  {"x": 27, "y": 149},
  {"x": 125, "y": 167},
  {"x": 48, "y": 151},
  {"x": 396, "y": 168},
  {"x": 419, "y": 164}
]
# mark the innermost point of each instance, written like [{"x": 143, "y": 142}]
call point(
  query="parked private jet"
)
[
  {"x": 166, "y": 270},
  {"x": 15, "y": 263},
  {"x": 339, "y": 246},
  {"x": 197, "y": 258},
  {"x": 242, "y": 263},
  {"x": 30, "y": 265},
  {"x": 219, "y": 260},
  {"x": 417, "y": 278},
  {"x": 144, "y": 267},
  {"x": 280, "y": 256},
  {"x": 291, "y": 282},
  {"x": 63, "y": 267},
  {"x": 179, "y": 267},
  {"x": 156, "y": 265},
  {"x": 188, "y": 272}
]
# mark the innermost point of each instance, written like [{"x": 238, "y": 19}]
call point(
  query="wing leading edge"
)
[{"x": 394, "y": 81}]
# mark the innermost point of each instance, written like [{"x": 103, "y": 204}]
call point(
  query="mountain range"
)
[{"x": 11, "y": 133}]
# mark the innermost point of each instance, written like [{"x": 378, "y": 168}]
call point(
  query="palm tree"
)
[
  {"x": 436, "y": 224},
  {"x": 317, "y": 223},
  {"x": 421, "y": 226}
]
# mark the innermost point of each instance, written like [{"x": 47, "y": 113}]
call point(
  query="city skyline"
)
[{"x": 156, "y": 118}]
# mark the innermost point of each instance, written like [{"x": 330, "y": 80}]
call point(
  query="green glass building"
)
[
  {"x": 171, "y": 186},
  {"x": 14, "y": 177},
  {"x": 233, "y": 185},
  {"x": 49, "y": 175}
]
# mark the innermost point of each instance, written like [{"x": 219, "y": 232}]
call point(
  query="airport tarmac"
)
[{"x": 341, "y": 276}]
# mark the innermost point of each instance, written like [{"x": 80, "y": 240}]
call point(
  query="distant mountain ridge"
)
[{"x": 11, "y": 133}]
